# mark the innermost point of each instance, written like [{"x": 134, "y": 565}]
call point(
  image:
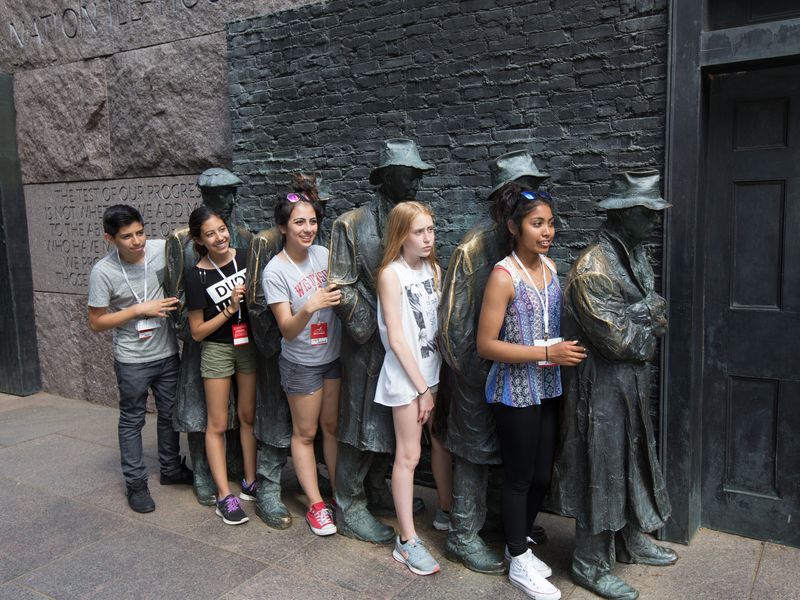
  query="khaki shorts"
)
[{"x": 218, "y": 361}]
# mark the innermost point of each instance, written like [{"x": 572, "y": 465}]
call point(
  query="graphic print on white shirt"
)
[{"x": 423, "y": 301}]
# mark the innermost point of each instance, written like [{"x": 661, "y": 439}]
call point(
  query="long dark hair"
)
[
  {"x": 304, "y": 189},
  {"x": 513, "y": 202},
  {"x": 200, "y": 215}
]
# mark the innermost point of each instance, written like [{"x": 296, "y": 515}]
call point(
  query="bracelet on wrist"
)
[
  {"x": 547, "y": 358},
  {"x": 225, "y": 312},
  {"x": 422, "y": 393}
]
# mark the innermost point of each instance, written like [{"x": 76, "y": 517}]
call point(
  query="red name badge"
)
[
  {"x": 319, "y": 334},
  {"x": 240, "y": 334}
]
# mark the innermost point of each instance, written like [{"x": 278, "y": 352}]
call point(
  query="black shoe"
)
[
  {"x": 139, "y": 497},
  {"x": 231, "y": 511},
  {"x": 183, "y": 476}
]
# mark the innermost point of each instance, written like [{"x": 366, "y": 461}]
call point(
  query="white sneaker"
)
[
  {"x": 522, "y": 574},
  {"x": 538, "y": 564}
]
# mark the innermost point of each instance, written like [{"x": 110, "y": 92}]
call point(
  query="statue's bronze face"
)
[
  {"x": 639, "y": 222},
  {"x": 530, "y": 181},
  {"x": 221, "y": 199},
  {"x": 401, "y": 183}
]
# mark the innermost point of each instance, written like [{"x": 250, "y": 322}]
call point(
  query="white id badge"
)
[
  {"x": 147, "y": 327},
  {"x": 548, "y": 342}
]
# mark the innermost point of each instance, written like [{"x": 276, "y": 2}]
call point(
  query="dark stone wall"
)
[{"x": 580, "y": 83}]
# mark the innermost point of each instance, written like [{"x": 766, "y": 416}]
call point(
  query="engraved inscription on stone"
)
[{"x": 65, "y": 223}]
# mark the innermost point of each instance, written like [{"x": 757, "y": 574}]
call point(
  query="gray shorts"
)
[{"x": 301, "y": 380}]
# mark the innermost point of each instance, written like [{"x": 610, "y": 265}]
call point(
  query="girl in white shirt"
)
[{"x": 409, "y": 287}]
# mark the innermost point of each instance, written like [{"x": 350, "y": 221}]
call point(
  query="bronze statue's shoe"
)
[
  {"x": 537, "y": 535},
  {"x": 652, "y": 554},
  {"x": 607, "y": 586},
  {"x": 273, "y": 511},
  {"x": 385, "y": 507},
  {"x": 476, "y": 556},
  {"x": 361, "y": 525},
  {"x": 205, "y": 494}
]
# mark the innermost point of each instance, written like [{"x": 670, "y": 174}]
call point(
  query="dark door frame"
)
[{"x": 693, "y": 54}]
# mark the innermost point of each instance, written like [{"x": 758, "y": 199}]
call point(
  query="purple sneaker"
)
[
  {"x": 249, "y": 490},
  {"x": 231, "y": 511}
]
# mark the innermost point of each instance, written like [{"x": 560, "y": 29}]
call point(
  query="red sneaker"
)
[{"x": 320, "y": 519}]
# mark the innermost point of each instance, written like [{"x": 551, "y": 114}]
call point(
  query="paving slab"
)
[
  {"x": 176, "y": 507},
  {"x": 52, "y": 526},
  {"x": 12, "y": 591},
  {"x": 277, "y": 583},
  {"x": 143, "y": 562},
  {"x": 778, "y": 574},
  {"x": 62, "y": 465}
]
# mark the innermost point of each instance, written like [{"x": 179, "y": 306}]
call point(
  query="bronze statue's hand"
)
[
  {"x": 660, "y": 327},
  {"x": 425, "y": 407},
  {"x": 566, "y": 354},
  {"x": 157, "y": 308},
  {"x": 236, "y": 297},
  {"x": 323, "y": 298}
]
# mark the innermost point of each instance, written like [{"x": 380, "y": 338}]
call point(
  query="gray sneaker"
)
[
  {"x": 415, "y": 556},
  {"x": 441, "y": 520}
]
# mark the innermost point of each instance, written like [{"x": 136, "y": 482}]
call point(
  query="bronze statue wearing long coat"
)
[
  {"x": 471, "y": 435},
  {"x": 355, "y": 254},
  {"x": 607, "y": 473}
]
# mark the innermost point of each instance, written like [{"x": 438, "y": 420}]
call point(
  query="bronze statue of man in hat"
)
[
  {"x": 607, "y": 474},
  {"x": 366, "y": 434},
  {"x": 273, "y": 423},
  {"x": 471, "y": 435},
  {"x": 218, "y": 190}
]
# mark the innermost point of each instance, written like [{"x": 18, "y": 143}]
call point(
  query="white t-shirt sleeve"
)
[
  {"x": 275, "y": 286},
  {"x": 99, "y": 288}
]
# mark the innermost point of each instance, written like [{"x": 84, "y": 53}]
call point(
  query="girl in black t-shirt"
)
[{"x": 215, "y": 291}]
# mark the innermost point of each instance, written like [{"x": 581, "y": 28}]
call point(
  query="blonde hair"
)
[{"x": 397, "y": 230}]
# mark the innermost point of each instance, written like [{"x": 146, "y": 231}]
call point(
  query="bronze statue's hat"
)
[
  {"x": 513, "y": 165},
  {"x": 635, "y": 188},
  {"x": 398, "y": 152},
  {"x": 216, "y": 177}
]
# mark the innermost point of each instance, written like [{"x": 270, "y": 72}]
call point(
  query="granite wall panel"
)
[
  {"x": 36, "y": 33},
  {"x": 62, "y": 122},
  {"x": 169, "y": 108}
]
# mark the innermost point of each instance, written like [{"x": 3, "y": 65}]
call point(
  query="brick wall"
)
[{"x": 579, "y": 83}]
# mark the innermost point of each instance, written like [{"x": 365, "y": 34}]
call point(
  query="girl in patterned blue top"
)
[{"x": 519, "y": 331}]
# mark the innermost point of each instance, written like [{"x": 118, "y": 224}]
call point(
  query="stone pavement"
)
[{"x": 66, "y": 532}]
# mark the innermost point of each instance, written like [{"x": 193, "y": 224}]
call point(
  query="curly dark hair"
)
[{"x": 513, "y": 202}]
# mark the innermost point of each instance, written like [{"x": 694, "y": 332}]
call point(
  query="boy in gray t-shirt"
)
[{"x": 126, "y": 294}]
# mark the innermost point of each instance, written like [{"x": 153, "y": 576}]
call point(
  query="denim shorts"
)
[
  {"x": 301, "y": 380},
  {"x": 218, "y": 361}
]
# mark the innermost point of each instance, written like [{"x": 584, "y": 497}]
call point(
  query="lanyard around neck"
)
[
  {"x": 544, "y": 301},
  {"x": 299, "y": 272},
  {"x": 128, "y": 281},
  {"x": 222, "y": 275}
]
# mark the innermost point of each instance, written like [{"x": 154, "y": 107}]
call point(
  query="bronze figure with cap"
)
[
  {"x": 366, "y": 434},
  {"x": 273, "y": 423},
  {"x": 607, "y": 475},
  {"x": 471, "y": 435},
  {"x": 218, "y": 190}
]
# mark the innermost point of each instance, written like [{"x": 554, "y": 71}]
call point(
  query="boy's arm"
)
[{"x": 100, "y": 319}]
